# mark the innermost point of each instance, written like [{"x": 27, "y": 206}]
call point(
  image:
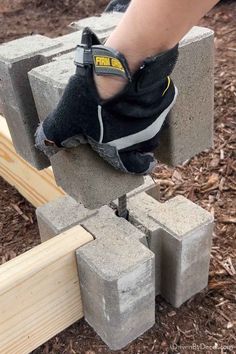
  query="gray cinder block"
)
[
  {"x": 79, "y": 171},
  {"x": 191, "y": 120},
  {"x": 116, "y": 273},
  {"x": 117, "y": 280},
  {"x": 60, "y": 215},
  {"x": 180, "y": 234},
  {"x": 105, "y": 222},
  {"x": 17, "y": 58},
  {"x": 102, "y": 25}
]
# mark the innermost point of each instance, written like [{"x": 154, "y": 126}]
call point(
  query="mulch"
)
[{"x": 207, "y": 322}]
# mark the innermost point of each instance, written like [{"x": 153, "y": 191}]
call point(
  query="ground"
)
[{"x": 209, "y": 318}]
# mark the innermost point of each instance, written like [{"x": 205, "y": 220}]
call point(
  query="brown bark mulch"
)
[{"x": 207, "y": 322}]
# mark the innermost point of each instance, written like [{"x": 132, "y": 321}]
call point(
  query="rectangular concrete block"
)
[
  {"x": 105, "y": 222},
  {"x": 102, "y": 25},
  {"x": 117, "y": 280},
  {"x": 191, "y": 120},
  {"x": 139, "y": 207},
  {"x": 59, "y": 216},
  {"x": 80, "y": 171},
  {"x": 180, "y": 234},
  {"x": 17, "y": 58},
  {"x": 116, "y": 273}
]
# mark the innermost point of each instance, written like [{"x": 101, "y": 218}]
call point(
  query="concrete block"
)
[
  {"x": 80, "y": 171},
  {"x": 48, "y": 83},
  {"x": 117, "y": 280},
  {"x": 191, "y": 120},
  {"x": 149, "y": 186},
  {"x": 105, "y": 222},
  {"x": 116, "y": 272},
  {"x": 60, "y": 215},
  {"x": 102, "y": 25},
  {"x": 180, "y": 234},
  {"x": 17, "y": 58}
]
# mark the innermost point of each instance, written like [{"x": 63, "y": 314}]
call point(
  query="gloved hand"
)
[{"x": 122, "y": 130}]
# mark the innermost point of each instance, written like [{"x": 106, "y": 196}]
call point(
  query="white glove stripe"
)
[
  {"x": 101, "y": 124},
  {"x": 145, "y": 134}
]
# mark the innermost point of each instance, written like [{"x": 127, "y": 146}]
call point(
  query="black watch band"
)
[{"x": 105, "y": 60}]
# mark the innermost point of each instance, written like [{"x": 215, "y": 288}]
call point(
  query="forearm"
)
[{"x": 150, "y": 27}]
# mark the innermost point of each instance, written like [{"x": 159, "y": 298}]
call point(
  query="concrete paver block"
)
[
  {"x": 105, "y": 222},
  {"x": 89, "y": 179},
  {"x": 102, "y": 25},
  {"x": 116, "y": 273},
  {"x": 191, "y": 120},
  {"x": 17, "y": 58},
  {"x": 117, "y": 280},
  {"x": 80, "y": 171},
  {"x": 60, "y": 215},
  {"x": 149, "y": 187},
  {"x": 180, "y": 234}
]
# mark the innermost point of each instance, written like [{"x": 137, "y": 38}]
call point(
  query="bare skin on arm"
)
[{"x": 150, "y": 27}]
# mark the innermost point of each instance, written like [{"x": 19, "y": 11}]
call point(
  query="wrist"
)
[{"x": 109, "y": 86}]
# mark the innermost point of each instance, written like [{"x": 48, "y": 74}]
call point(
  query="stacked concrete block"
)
[
  {"x": 116, "y": 272},
  {"x": 191, "y": 120},
  {"x": 60, "y": 215},
  {"x": 79, "y": 171},
  {"x": 17, "y": 58},
  {"x": 180, "y": 235},
  {"x": 178, "y": 232},
  {"x": 102, "y": 25},
  {"x": 106, "y": 222},
  {"x": 117, "y": 280}
]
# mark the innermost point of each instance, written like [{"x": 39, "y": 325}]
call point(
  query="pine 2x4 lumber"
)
[
  {"x": 40, "y": 293},
  {"x": 38, "y": 187}
]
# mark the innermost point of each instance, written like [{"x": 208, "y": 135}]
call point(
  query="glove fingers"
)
[
  {"x": 74, "y": 141},
  {"x": 42, "y": 143},
  {"x": 138, "y": 162}
]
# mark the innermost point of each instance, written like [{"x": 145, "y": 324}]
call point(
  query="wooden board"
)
[
  {"x": 38, "y": 187},
  {"x": 40, "y": 293}
]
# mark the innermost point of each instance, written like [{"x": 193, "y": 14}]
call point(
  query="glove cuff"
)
[{"x": 108, "y": 61}]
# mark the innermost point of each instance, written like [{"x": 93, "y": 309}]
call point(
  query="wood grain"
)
[
  {"x": 38, "y": 187},
  {"x": 40, "y": 293}
]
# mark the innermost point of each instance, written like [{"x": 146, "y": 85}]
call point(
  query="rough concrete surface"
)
[
  {"x": 106, "y": 222},
  {"x": 60, "y": 215},
  {"x": 17, "y": 58},
  {"x": 118, "y": 264},
  {"x": 180, "y": 235},
  {"x": 191, "y": 120},
  {"x": 102, "y": 25},
  {"x": 121, "y": 269}
]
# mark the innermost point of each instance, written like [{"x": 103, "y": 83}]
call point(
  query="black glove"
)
[{"x": 122, "y": 130}]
